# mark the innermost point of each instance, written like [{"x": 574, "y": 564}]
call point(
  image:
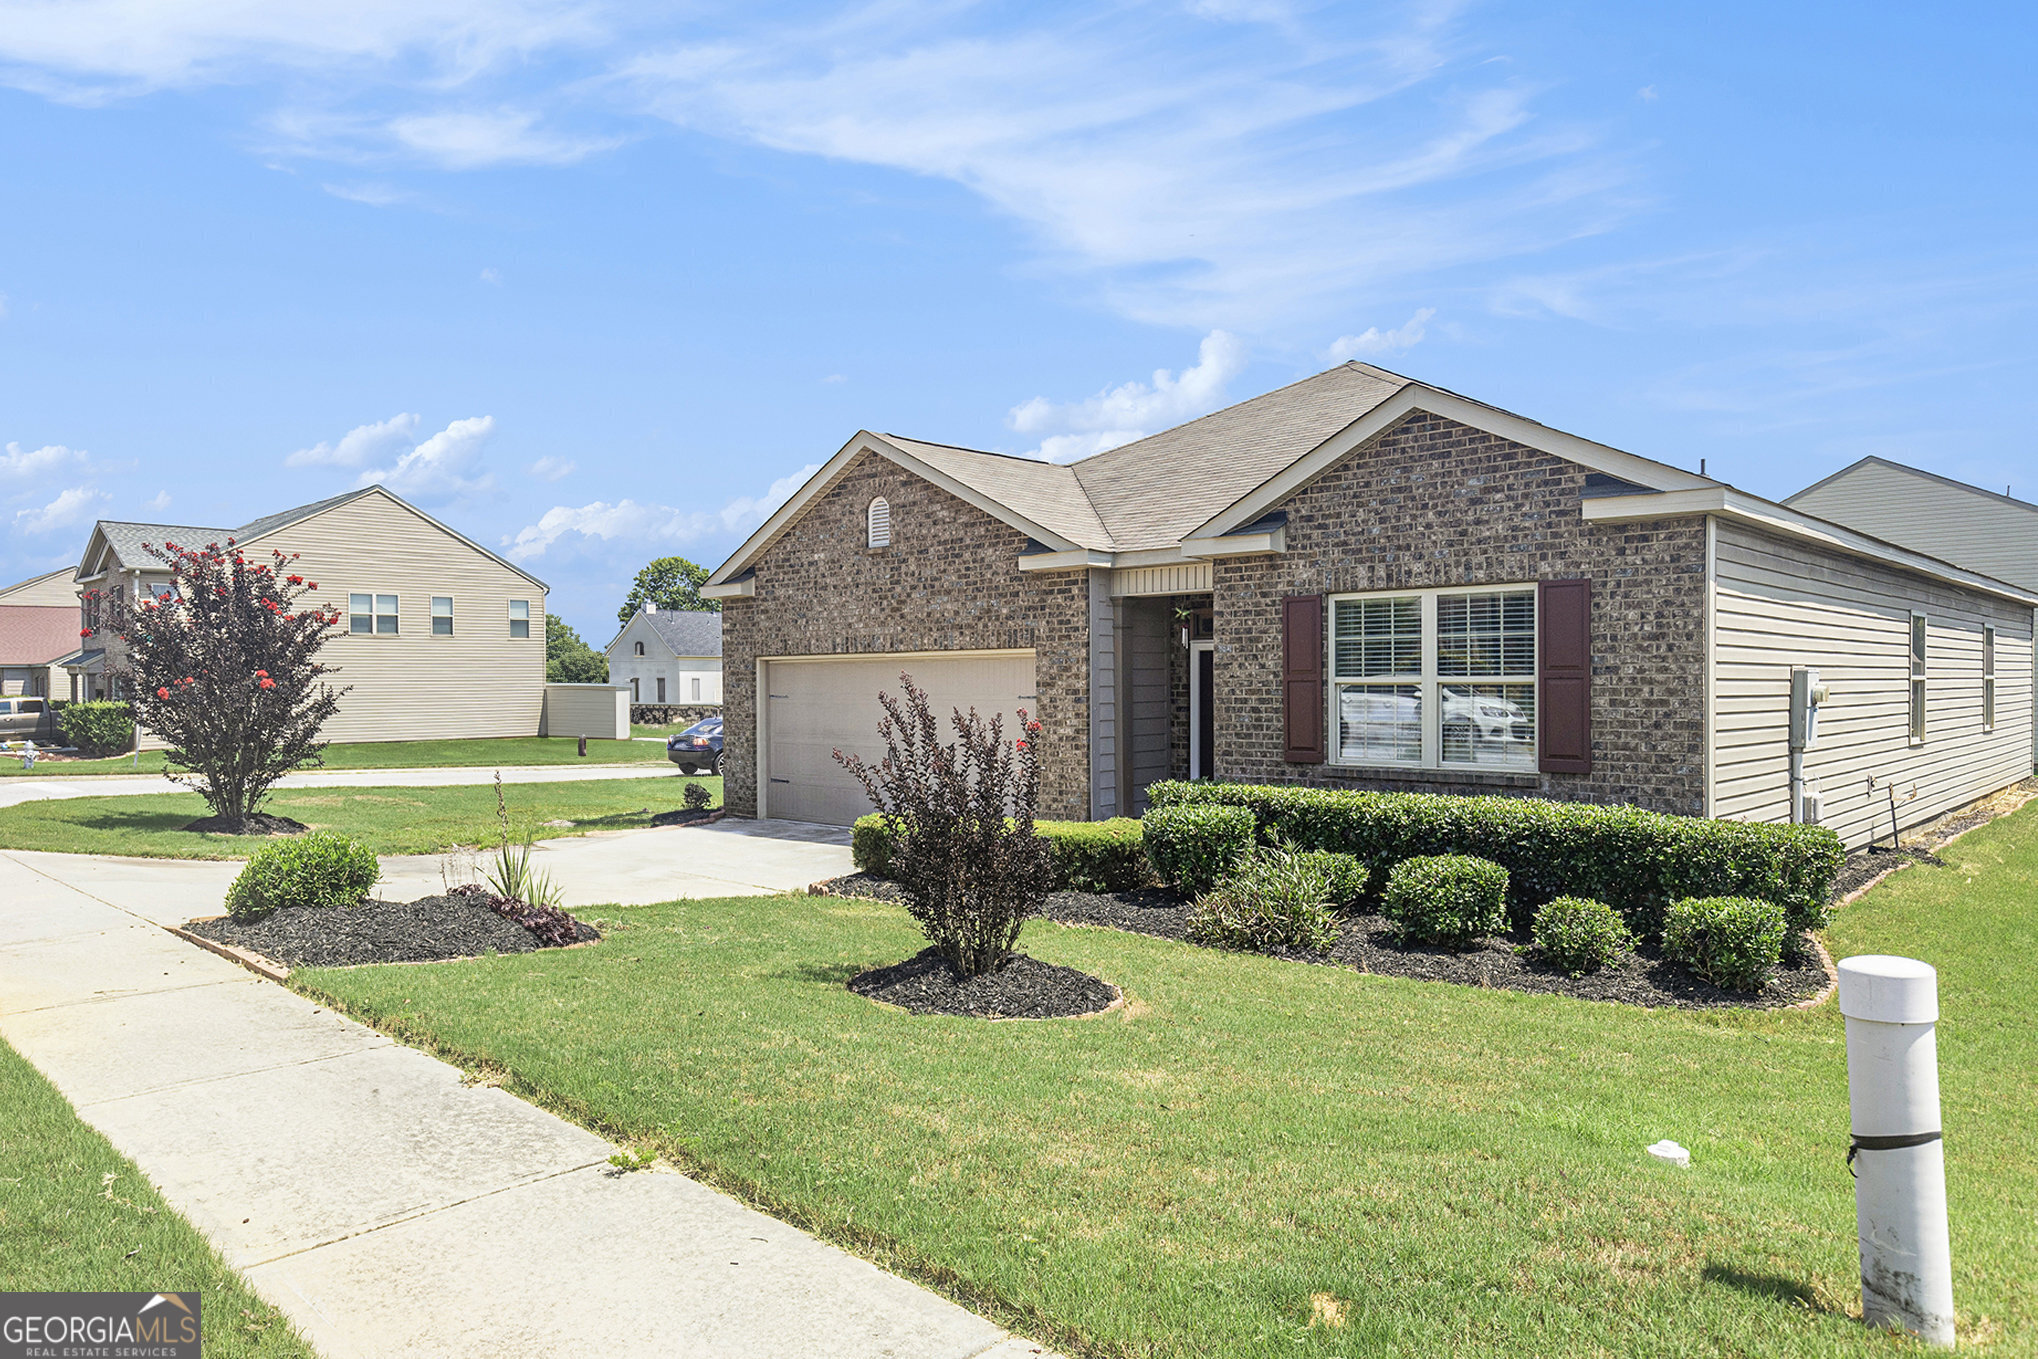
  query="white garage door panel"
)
[{"x": 814, "y": 708}]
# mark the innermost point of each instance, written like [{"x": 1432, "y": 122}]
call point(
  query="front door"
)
[{"x": 1202, "y": 710}]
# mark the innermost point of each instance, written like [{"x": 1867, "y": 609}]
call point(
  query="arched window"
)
[
  {"x": 880, "y": 521},
  {"x": 640, "y": 648}
]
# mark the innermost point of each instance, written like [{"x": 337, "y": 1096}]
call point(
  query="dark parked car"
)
[{"x": 698, "y": 747}]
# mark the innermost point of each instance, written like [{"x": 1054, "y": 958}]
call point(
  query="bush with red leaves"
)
[{"x": 552, "y": 926}]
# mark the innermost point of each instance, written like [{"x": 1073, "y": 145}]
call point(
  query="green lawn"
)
[
  {"x": 76, "y": 1216},
  {"x": 387, "y": 820},
  {"x": 1456, "y": 1171},
  {"x": 506, "y": 752}
]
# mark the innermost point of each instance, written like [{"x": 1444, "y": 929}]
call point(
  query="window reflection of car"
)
[
  {"x": 1477, "y": 721},
  {"x": 1380, "y": 724}
]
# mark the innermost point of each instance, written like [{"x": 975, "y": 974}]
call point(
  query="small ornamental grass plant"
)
[
  {"x": 1193, "y": 848},
  {"x": 958, "y": 819},
  {"x": 1577, "y": 936},
  {"x": 510, "y": 871},
  {"x": 1276, "y": 898},
  {"x": 1448, "y": 899},
  {"x": 1732, "y": 942},
  {"x": 320, "y": 870}
]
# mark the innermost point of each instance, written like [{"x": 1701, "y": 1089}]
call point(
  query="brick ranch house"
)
[{"x": 1363, "y": 581}]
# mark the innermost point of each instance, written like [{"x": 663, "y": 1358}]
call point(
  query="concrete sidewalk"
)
[
  {"x": 32, "y": 788},
  {"x": 385, "y": 1206},
  {"x": 625, "y": 868}
]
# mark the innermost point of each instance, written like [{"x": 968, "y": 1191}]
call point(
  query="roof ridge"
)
[
  {"x": 1353, "y": 364},
  {"x": 1925, "y": 472}
]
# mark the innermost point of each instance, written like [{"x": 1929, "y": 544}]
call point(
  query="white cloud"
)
[
  {"x": 373, "y": 194},
  {"x": 157, "y": 503},
  {"x": 492, "y": 277},
  {"x": 359, "y": 446},
  {"x": 71, "y": 507},
  {"x": 633, "y": 521},
  {"x": 18, "y": 463},
  {"x": 1373, "y": 342},
  {"x": 439, "y": 467},
  {"x": 465, "y": 140},
  {"x": 1132, "y": 410},
  {"x": 549, "y": 468}
]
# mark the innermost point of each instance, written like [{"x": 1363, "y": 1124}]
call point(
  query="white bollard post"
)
[{"x": 1892, "y": 1010}]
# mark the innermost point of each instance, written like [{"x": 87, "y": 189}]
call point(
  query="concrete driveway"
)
[
  {"x": 385, "y": 1205},
  {"x": 731, "y": 858}
]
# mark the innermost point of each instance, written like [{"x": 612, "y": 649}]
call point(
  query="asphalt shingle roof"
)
[
  {"x": 1150, "y": 493},
  {"x": 36, "y": 634},
  {"x": 688, "y": 633}
]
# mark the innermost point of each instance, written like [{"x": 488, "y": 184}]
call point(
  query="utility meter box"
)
[{"x": 1806, "y": 694}]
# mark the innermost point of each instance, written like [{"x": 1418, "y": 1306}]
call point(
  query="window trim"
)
[
  {"x": 1988, "y": 677},
  {"x": 514, "y": 620},
  {"x": 1429, "y": 681},
  {"x": 375, "y": 614},
  {"x": 1917, "y": 655},
  {"x": 450, "y": 614}
]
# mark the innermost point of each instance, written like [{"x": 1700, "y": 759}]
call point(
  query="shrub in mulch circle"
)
[
  {"x": 1732, "y": 942},
  {"x": 1578, "y": 937},
  {"x": 1448, "y": 899},
  {"x": 552, "y": 927},
  {"x": 696, "y": 797},
  {"x": 322, "y": 870}
]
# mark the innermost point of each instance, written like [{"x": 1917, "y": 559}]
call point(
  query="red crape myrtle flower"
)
[
  {"x": 268, "y": 684},
  {"x": 162, "y": 693}
]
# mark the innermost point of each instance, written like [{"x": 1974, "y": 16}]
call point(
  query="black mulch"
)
[
  {"x": 426, "y": 930},
  {"x": 1368, "y": 943},
  {"x": 687, "y": 816},
  {"x": 261, "y": 823},
  {"x": 1864, "y": 866},
  {"x": 1024, "y": 988}
]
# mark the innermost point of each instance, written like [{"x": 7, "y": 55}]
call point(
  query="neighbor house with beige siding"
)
[
  {"x": 1364, "y": 581},
  {"x": 439, "y": 638}
]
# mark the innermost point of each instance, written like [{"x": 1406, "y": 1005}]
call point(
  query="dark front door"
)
[{"x": 1206, "y": 721}]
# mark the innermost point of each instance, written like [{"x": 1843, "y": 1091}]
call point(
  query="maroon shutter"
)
[
  {"x": 1302, "y": 678},
  {"x": 1564, "y": 675}
]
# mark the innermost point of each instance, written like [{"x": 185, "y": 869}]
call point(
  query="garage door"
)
[{"x": 814, "y": 708}]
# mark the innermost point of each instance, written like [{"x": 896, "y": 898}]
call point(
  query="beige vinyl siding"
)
[
  {"x": 415, "y": 686},
  {"x": 1961, "y": 524},
  {"x": 58, "y": 589},
  {"x": 1780, "y": 604},
  {"x": 598, "y": 710}
]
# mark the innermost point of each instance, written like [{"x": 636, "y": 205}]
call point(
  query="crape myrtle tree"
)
[
  {"x": 961, "y": 818},
  {"x": 224, "y": 668}
]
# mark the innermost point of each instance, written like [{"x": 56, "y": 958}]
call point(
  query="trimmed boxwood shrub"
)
[
  {"x": 321, "y": 869},
  {"x": 1635, "y": 861},
  {"x": 1448, "y": 899},
  {"x": 1194, "y": 848},
  {"x": 1730, "y": 941},
  {"x": 1089, "y": 856},
  {"x": 99, "y": 728},
  {"x": 1273, "y": 899},
  {"x": 1578, "y": 936}
]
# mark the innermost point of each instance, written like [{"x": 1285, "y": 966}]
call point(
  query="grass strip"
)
[
  {"x": 77, "y": 1216},
  {"x": 502, "y": 751}
]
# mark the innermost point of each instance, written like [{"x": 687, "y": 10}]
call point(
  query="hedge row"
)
[
  {"x": 1089, "y": 856},
  {"x": 1635, "y": 861}
]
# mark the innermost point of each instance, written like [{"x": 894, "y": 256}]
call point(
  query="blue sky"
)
[{"x": 595, "y": 283}]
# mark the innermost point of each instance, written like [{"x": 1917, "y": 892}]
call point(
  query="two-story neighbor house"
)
[
  {"x": 441, "y": 639},
  {"x": 669, "y": 656},
  {"x": 38, "y": 628},
  {"x": 1364, "y": 581},
  {"x": 1978, "y": 529}
]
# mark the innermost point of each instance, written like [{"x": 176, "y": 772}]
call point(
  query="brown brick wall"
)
[
  {"x": 1435, "y": 503},
  {"x": 949, "y": 582}
]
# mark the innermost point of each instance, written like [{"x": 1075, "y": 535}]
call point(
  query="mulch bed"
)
[
  {"x": 1024, "y": 988},
  {"x": 261, "y": 823},
  {"x": 1864, "y": 866},
  {"x": 1369, "y": 943},
  {"x": 688, "y": 816},
  {"x": 427, "y": 930}
]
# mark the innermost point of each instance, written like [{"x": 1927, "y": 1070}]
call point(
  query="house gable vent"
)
[{"x": 879, "y": 520}]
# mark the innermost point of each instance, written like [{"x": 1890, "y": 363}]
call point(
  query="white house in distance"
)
[
  {"x": 439, "y": 639},
  {"x": 669, "y": 656}
]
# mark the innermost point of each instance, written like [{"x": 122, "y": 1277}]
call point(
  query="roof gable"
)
[{"x": 684, "y": 632}]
